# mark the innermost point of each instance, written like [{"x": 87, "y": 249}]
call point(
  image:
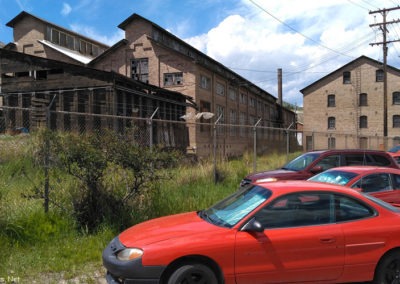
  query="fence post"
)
[
  {"x": 288, "y": 141},
  {"x": 46, "y": 157},
  {"x": 150, "y": 122},
  {"x": 255, "y": 145},
  {"x": 215, "y": 148}
]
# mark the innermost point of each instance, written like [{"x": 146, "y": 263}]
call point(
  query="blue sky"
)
[{"x": 307, "y": 39}]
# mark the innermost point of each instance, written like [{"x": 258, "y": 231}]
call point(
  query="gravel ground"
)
[{"x": 96, "y": 277}]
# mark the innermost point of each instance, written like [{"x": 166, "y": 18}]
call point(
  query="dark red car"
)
[
  {"x": 311, "y": 163},
  {"x": 274, "y": 232}
]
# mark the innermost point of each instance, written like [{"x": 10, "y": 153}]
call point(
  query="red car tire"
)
[
  {"x": 388, "y": 269},
  {"x": 193, "y": 273}
]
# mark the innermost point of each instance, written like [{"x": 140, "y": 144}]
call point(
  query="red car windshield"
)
[
  {"x": 334, "y": 176},
  {"x": 235, "y": 207}
]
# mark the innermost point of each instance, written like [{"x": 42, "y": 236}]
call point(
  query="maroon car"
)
[{"x": 311, "y": 163}]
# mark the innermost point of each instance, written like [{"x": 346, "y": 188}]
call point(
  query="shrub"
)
[{"x": 113, "y": 171}]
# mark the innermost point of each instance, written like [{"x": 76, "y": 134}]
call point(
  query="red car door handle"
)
[{"x": 327, "y": 240}]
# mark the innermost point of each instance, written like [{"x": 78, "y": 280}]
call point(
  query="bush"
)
[{"x": 113, "y": 174}]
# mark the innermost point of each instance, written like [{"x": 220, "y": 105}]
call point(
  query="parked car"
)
[
  {"x": 394, "y": 149},
  {"x": 273, "y": 232},
  {"x": 381, "y": 182},
  {"x": 311, "y": 163},
  {"x": 395, "y": 153}
]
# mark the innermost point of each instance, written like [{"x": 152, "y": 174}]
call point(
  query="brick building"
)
[
  {"x": 346, "y": 108},
  {"x": 152, "y": 55},
  {"x": 41, "y": 92}
]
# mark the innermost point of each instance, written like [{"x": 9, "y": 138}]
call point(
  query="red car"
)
[
  {"x": 314, "y": 162},
  {"x": 381, "y": 182},
  {"x": 274, "y": 232},
  {"x": 395, "y": 153}
]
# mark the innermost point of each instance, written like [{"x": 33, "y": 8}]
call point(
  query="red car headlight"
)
[{"x": 129, "y": 254}]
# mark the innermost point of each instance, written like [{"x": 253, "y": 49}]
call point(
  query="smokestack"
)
[{"x": 280, "y": 100}]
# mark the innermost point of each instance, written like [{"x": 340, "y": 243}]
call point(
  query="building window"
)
[
  {"x": 331, "y": 122},
  {"x": 363, "y": 99},
  {"x": 205, "y": 82},
  {"x": 363, "y": 121},
  {"x": 331, "y": 100},
  {"x": 396, "y": 98},
  {"x": 259, "y": 106},
  {"x": 232, "y": 94},
  {"x": 233, "y": 122},
  {"x": 220, "y": 89},
  {"x": 173, "y": 79},
  {"x": 220, "y": 113},
  {"x": 331, "y": 142},
  {"x": 379, "y": 75},
  {"x": 140, "y": 69},
  {"x": 243, "y": 98},
  {"x": 363, "y": 143},
  {"x": 242, "y": 121},
  {"x": 55, "y": 36},
  {"x": 346, "y": 77},
  {"x": 205, "y": 107},
  {"x": 71, "y": 42},
  {"x": 396, "y": 121},
  {"x": 252, "y": 102}
]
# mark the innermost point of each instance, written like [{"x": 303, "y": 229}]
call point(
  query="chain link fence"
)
[{"x": 202, "y": 139}]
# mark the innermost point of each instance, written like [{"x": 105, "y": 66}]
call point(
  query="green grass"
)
[{"x": 47, "y": 247}]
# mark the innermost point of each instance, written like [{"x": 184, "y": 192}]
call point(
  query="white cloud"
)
[
  {"x": 66, "y": 9},
  {"x": 307, "y": 39}
]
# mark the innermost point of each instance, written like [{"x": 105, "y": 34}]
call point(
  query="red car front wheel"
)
[{"x": 193, "y": 273}]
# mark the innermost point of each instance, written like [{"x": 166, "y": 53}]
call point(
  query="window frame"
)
[
  {"x": 220, "y": 89},
  {"x": 331, "y": 100},
  {"x": 205, "y": 82},
  {"x": 232, "y": 94},
  {"x": 363, "y": 99},
  {"x": 396, "y": 121},
  {"x": 363, "y": 121},
  {"x": 290, "y": 215},
  {"x": 331, "y": 122},
  {"x": 176, "y": 79},
  {"x": 138, "y": 64},
  {"x": 346, "y": 77},
  {"x": 396, "y": 98},
  {"x": 379, "y": 75},
  {"x": 331, "y": 142}
]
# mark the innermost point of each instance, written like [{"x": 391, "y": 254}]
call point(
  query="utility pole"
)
[{"x": 384, "y": 42}]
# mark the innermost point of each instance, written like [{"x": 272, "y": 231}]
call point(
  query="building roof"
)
[
  {"x": 345, "y": 68},
  {"x": 109, "y": 51},
  {"x": 24, "y": 14},
  {"x": 77, "y": 56}
]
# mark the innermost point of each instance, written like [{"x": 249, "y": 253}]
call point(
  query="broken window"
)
[
  {"x": 140, "y": 69},
  {"x": 173, "y": 79}
]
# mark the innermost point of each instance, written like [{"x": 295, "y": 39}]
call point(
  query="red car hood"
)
[{"x": 165, "y": 228}]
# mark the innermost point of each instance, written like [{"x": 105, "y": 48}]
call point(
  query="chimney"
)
[{"x": 280, "y": 101}]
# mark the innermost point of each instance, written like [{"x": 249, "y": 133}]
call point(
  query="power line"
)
[
  {"x": 358, "y": 5},
  {"x": 384, "y": 44},
  {"x": 296, "y": 31}
]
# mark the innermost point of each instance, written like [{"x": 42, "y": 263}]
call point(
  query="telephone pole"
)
[{"x": 384, "y": 42}]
